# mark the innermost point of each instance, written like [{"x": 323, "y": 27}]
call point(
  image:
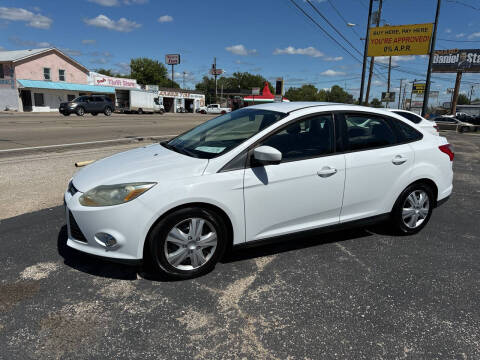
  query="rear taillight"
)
[{"x": 447, "y": 149}]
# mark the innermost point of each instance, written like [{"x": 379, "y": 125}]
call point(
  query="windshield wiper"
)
[{"x": 179, "y": 150}]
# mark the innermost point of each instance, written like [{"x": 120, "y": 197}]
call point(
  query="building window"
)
[
  {"x": 2, "y": 74},
  {"x": 46, "y": 74},
  {"x": 70, "y": 97},
  {"x": 61, "y": 75},
  {"x": 38, "y": 98}
]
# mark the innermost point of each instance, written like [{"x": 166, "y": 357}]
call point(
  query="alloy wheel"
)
[
  {"x": 415, "y": 209},
  {"x": 190, "y": 244}
]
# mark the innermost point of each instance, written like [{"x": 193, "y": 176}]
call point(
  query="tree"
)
[
  {"x": 304, "y": 93},
  {"x": 150, "y": 72},
  {"x": 463, "y": 100},
  {"x": 376, "y": 103},
  {"x": 311, "y": 93}
]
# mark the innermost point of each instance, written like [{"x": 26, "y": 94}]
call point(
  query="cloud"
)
[
  {"x": 165, "y": 18},
  {"x": 458, "y": 36},
  {"x": 395, "y": 59},
  {"x": 290, "y": 50},
  {"x": 448, "y": 31},
  {"x": 29, "y": 43},
  {"x": 89, "y": 41},
  {"x": 331, "y": 72},
  {"x": 123, "y": 68},
  {"x": 71, "y": 52},
  {"x": 336, "y": 58},
  {"x": 474, "y": 35},
  {"x": 18, "y": 14},
  {"x": 240, "y": 50},
  {"x": 110, "y": 3},
  {"x": 101, "y": 53},
  {"x": 122, "y": 24}
]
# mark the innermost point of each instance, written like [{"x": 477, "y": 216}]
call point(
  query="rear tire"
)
[
  {"x": 176, "y": 251},
  {"x": 139, "y": 111},
  {"x": 80, "y": 111},
  {"x": 413, "y": 209},
  {"x": 107, "y": 111}
]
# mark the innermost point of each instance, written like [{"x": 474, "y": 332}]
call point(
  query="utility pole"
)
[
  {"x": 471, "y": 93},
  {"x": 172, "y": 76},
  {"x": 430, "y": 61},
  {"x": 411, "y": 94},
  {"x": 372, "y": 60},
  {"x": 455, "y": 93},
  {"x": 365, "y": 52},
  {"x": 388, "y": 82},
  {"x": 404, "y": 95},
  {"x": 400, "y": 93},
  {"x": 215, "y": 75},
  {"x": 184, "y": 73}
]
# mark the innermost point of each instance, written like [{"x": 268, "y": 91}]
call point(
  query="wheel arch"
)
[
  {"x": 426, "y": 181},
  {"x": 203, "y": 205}
]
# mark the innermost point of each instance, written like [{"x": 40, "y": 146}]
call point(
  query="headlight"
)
[
  {"x": 72, "y": 105},
  {"x": 107, "y": 195}
]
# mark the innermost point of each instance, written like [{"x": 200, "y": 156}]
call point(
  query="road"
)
[
  {"x": 362, "y": 294},
  {"x": 20, "y": 130}
]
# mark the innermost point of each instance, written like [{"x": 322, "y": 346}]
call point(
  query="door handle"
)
[
  {"x": 326, "y": 171},
  {"x": 399, "y": 160}
]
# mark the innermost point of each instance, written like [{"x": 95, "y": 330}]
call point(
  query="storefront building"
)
[
  {"x": 40, "y": 79},
  {"x": 178, "y": 100}
]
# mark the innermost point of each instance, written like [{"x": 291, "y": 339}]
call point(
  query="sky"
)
[{"x": 267, "y": 37}]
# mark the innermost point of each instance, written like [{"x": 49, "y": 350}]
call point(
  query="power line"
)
[
  {"x": 463, "y": 4},
  {"x": 345, "y": 20},
  {"x": 465, "y": 41}
]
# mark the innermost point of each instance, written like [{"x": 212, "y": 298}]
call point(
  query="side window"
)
[
  {"x": 304, "y": 139},
  {"x": 365, "y": 131},
  {"x": 97, "y": 98},
  {"x": 408, "y": 133},
  {"x": 61, "y": 75},
  {"x": 413, "y": 118}
]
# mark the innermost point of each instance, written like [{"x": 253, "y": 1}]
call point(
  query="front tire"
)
[
  {"x": 187, "y": 243},
  {"x": 107, "y": 111},
  {"x": 80, "y": 111},
  {"x": 413, "y": 209}
]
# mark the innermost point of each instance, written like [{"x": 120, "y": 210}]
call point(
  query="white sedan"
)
[
  {"x": 258, "y": 173},
  {"x": 428, "y": 125}
]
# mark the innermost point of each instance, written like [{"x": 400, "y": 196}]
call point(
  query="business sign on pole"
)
[
  {"x": 172, "y": 59},
  {"x": 216, "y": 71},
  {"x": 418, "y": 88},
  {"x": 400, "y": 40},
  {"x": 256, "y": 91},
  {"x": 455, "y": 60},
  {"x": 388, "y": 97},
  {"x": 450, "y": 90}
]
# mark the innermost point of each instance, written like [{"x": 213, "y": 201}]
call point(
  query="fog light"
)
[{"x": 106, "y": 240}]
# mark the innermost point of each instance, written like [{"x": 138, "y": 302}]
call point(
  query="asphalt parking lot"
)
[{"x": 361, "y": 294}]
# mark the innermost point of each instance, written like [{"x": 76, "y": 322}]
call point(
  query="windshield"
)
[{"x": 223, "y": 133}]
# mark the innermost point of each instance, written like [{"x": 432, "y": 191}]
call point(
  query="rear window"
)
[
  {"x": 407, "y": 133},
  {"x": 412, "y": 117}
]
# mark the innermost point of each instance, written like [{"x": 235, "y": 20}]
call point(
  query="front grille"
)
[
  {"x": 71, "y": 188},
  {"x": 74, "y": 229}
]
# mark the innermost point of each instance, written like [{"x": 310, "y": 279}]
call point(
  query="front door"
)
[
  {"x": 305, "y": 190},
  {"x": 377, "y": 165},
  {"x": 26, "y": 97}
]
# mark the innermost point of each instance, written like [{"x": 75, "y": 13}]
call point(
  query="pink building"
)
[{"x": 40, "y": 79}]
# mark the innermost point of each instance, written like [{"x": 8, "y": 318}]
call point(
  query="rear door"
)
[
  {"x": 305, "y": 190},
  {"x": 378, "y": 164}
]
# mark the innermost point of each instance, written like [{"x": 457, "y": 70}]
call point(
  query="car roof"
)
[{"x": 287, "y": 107}]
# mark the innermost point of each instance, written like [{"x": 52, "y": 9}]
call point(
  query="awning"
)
[{"x": 40, "y": 84}]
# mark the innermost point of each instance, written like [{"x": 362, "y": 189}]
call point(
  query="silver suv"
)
[{"x": 93, "y": 104}]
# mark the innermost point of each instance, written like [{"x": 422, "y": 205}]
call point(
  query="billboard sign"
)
[
  {"x": 216, "y": 71},
  {"x": 172, "y": 59},
  {"x": 388, "y": 97},
  {"x": 418, "y": 88},
  {"x": 455, "y": 60},
  {"x": 400, "y": 40}
]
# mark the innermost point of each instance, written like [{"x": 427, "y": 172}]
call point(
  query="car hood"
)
[{"x": 152, "y": 163}]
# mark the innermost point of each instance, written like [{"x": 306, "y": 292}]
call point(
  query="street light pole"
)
[
  {"x": 365, "y": 51},
  {"x": 430, "y": 61}
]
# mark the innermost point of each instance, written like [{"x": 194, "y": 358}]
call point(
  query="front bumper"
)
[{"x": 126, "y": 223}]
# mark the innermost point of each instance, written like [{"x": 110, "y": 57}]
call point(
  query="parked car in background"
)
[
  {"x": 254, "y": 174},
  {"x": 82, "y": 105},
  {"x": 214, "y": 109},
  {"x": 448, "y": 122},
  {"x": 428, "y": 125},
  {"x": 472, "y": 119}
]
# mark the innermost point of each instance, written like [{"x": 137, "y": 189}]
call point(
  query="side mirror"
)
[{"x": 267, "y": 155}]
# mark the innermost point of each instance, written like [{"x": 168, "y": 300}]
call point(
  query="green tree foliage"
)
[
  {"x": 150, "y": 72},
  {"x": 463, "y": 100},
  {"x": 239, "y": 81},
  {"x": 311, "y": 93},
  {"x": 376, "y": 103}
]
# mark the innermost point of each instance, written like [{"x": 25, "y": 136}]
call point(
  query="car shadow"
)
[
  {"x": 292, "y": 243},
  {"x": 92, "y": 265}
]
